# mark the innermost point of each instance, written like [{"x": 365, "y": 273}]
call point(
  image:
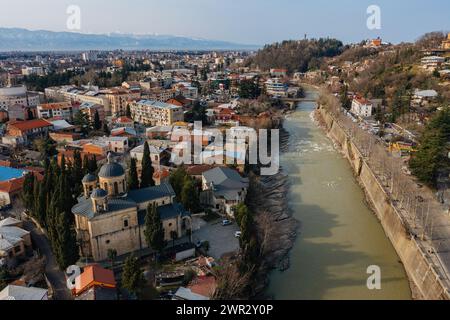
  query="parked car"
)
[
  {"x": 226, "y": 222},
  {"x": 199, "y": 243},
  {"x": 237, "y": 234}
]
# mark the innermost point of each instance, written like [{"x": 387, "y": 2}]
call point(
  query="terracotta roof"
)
[
  {"x": 197, "y": 170},
  {"x": 30, "y": 124},
  {"x": 204, "y": 285},
  {"x": 12, "y": 186},
  {"x": 161, "y": 174},
  {"x": 55, "y": 106},
  {"x": 123, "y": 120},
  {"x": 94, "y": 275},
  {"x": 175, "y": 102}
]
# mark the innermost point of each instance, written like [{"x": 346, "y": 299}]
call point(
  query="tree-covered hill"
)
[{"x": 302, "y": 55}]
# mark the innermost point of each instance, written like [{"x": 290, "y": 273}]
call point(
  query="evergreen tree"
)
[
  {"x": 176, "y": 180},
  {"x": 66, "y": 249},
  {"x": 85, "y": 165},
  {"x": 189, "y": 195},
  {"x": 133, "y": 180},
  {"x": 77, "y": 173},
  {"x": 41, "y": 206},
  {"x": 345, "y": 100},
  {"x": 105, "y": 128},
  {"x": 128, "y": 112},
  {"x": 154, "y": 232},
  {"x": 432, "y": 156},
  {"x": 147, "y": 168},
  {"x": 28, "y": 191},
  {"x": 93, "y": 164},
  {"x": 97, "y": 122},
  {"x": 132, "y": 276}
]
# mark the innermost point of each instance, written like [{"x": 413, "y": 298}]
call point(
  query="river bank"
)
[
  {"x": 424, "y": 279},
  {"x": 338, "y": 237}
]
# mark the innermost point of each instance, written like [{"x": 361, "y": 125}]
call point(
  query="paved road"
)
[{"x": 54, "y": 275}]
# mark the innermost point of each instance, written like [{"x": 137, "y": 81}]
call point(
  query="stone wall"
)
[{"x": 418, "y": 265}]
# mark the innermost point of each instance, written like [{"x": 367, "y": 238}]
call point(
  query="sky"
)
[{"x": 241, "y": 21}]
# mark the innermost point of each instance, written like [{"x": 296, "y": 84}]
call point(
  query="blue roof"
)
[
  {"x": 7, "y": 173},
  {"x": 109, "y": 170}
]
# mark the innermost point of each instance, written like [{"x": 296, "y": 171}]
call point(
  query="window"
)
[
  {"x": 107, "y": 241},
  {"x": 116, "y": 188},
  {"x": 125, "y": 223}
]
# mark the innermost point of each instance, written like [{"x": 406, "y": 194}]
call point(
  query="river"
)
[{"x": 339, "y": 237}]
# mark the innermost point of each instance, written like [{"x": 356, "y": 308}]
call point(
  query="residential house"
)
[
  {"x": 223, "y": 189},
  {"x": 361, "y": 107},
  {"x": 95, "y": 283},
  {"x": 64, "y": 110},
  {"x": 14, "y": 244},
  {"x": 24, "y": 131},
  {"x": 13, "y": 292}
]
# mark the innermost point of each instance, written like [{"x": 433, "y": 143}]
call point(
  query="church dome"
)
[
  {"x": 111, "y": 169},
  {"x": 89, "y": 178},
  {"x": 99, "y": 194}
]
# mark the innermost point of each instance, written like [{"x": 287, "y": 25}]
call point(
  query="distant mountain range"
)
[{"x": 16, "y": 39}]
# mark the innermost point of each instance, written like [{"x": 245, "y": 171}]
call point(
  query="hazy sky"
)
[{"x": 243, "y": 21}]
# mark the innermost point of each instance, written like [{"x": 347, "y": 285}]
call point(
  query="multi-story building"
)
[
  {"x": 23, "y": 131},
  {"x": 362, "y": 107},
  {"x": 64, "y": 110},
  {"x": 276, "y": 88},
  {"x": 160, "y": 94},
  {"x": 156, "y": 113},
  {"x": 90, "y": 109},
  {"x": 73, "y": 94},
  {"x": 119, "y": 98},
  {"x": 16, "y": 99},
  {"x": 27, "y": 71}
]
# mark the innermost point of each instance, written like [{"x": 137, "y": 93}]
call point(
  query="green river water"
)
[{"x": 339, "y": 237}]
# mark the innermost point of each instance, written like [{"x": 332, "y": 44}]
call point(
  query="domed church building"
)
[{"x": 108, "y": 216}]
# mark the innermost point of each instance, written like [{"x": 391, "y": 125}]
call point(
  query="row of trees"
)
[
  {"x": 146, "y": 172},
  {"x": 50, "y": 202},
  {"x": 431, "y": 160}
]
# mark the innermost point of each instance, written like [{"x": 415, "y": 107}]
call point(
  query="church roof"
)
[
  {"x": 89, "y": 178},
  {"x": 151, "y": 193},
  {"x": 84, "y": 206},
  {"x": 111, "y": 169}
]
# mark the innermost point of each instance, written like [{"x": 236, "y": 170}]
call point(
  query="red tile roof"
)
[
  {"x": 204, "y": 285},
  {"x": 94, "y": 275},
  {"x": 30, "y": 124}
]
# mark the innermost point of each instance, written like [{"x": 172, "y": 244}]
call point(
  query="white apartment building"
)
[
  {"x": 361, "y": 107},
  {"x": 15, "y": 100},
  {"x": 64, "y": 110},
  {"x": 275, "y": 88},
  {"x": 27, "y": 71},
  {"x": 156, "y": 113}
]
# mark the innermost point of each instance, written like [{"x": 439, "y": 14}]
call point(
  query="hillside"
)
[{"x": 301, "y": 55}]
